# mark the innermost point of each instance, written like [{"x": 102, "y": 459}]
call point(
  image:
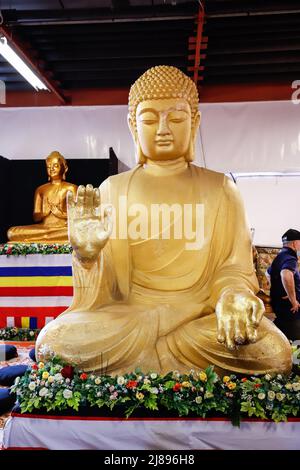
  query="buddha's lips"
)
[{"x": 164, "y": 142}]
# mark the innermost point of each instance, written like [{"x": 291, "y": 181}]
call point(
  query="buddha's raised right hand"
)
[{"x": 88, "y": 231}]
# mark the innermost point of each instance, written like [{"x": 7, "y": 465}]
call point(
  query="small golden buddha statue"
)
[
  {"x": 50, "y": 209},
  {"x": 146, "y": 295}
]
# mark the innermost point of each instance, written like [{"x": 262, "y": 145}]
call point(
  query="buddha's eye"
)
[
  {"x": 148, "y": 118},
  {"x": 177, "y": 117},
  {"x": 149, "y": 121}
]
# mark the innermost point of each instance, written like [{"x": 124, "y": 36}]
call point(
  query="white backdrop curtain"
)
[{"x": 233, "y": 138}]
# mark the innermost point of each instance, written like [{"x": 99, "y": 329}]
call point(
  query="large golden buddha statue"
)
[
  {"x": 147, "y": 295},
  {"x": 50, "y": 208}
]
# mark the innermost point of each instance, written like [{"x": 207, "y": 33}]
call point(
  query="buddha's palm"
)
[
  {"x": 239, "y": 313},
  {"x": 88, "y": 230}
]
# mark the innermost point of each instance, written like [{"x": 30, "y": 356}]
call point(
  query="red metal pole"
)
[
  {"x": 21, "y": 52},
  {"x": 200, "y": 23}
]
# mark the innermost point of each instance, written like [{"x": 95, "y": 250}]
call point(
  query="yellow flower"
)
[
  {"x": 226, "y": 379},
  {"x": 203, "y": 376},
  {"x": 45, "y": 375},
  {"x": 186, "y": 384},
  {"x": 139, "y": 395},
  {"x": 51, "y": 379},
  {"x": 41, "y": 365},
  {"x": 231, "y": 385}
]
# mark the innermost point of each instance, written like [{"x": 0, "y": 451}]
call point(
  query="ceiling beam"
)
[{"x": 20, "y": 50}]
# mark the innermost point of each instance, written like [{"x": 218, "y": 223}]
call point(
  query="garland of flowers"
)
[
  {"x": 23, "y": 249},
  {"x": 57, "y": 386},
  {"x": 12, "y": 333}
]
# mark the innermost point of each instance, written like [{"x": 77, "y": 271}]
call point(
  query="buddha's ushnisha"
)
[{"x": 152, "y": 299}]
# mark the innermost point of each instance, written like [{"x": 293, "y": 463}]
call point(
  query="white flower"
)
[
  {"x": 67, "y": 394},
  {"x": 296, "y": 386},
  {"x": 279, "y": 376},
  {"x": 50, "y": 379},
  {"x": 147, "y": 381},
  {"x": 198, "y": 400},
  {"x": 271, "y": 395},
  {"x": 31, "y": 386},
  {"x": 268, "y": 377},
  {"x": 120, "y": 380},
  {"x": 139, "y": 378},
  {"x": 280, "y": 396},
  {"x": 153, "y": 375},
  {"x": 31, "y": 333},
  {"x": 68, "y": 380},
  {"x": 87, "y": 386},
  {"x": 99, "y": 394},
  {"x": 97, "y": 381},
  {"x": 154, "y": 390},
  {"x": 17, "y": 380},
  {"x": 43, "y": 392},
  {"x": 261, "y": 396},
  {"x": 92, "y": 377},
  {"x": 208, "y": 395},
  {"x": 58, "y": 377},
  {"x": 289, "y": 386},
  {"x": 46, "y": 351}
]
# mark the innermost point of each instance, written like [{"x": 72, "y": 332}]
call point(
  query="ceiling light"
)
[{"x": 9, "y": 54}]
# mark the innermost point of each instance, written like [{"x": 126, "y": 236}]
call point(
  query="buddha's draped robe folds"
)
[{"x": 150, "y": 303}]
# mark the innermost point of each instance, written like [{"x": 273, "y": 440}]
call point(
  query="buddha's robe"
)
[
  {"x": 150, "y": 303},
  {"x": 49, "y": 199}
]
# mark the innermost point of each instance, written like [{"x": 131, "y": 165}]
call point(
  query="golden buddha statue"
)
[
  {"x": 154, "y": 299},
  {"x": 50, "y": 208}
]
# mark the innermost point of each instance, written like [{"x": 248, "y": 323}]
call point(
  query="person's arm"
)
[
  {"x": 287, "y": 278},
  {"x": 268, "y": 277}
]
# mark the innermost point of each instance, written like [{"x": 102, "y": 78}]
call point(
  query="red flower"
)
[
  {"x": 257, "y": 385},
  {"x": 177, "y": 387},
  {"x": 244, "y": 379},
  {"x": 34, "y": 367},
  {"x": 131, "y": 384},
  {"x": 9, "y": 250},
  {"x": 83, "y": 376},
  {"x": 68, "y": 372}
]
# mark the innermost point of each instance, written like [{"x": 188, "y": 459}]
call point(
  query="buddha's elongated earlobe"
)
[
  {"x": 190, "y": 155},
  {"x": 141, "y": 159}
]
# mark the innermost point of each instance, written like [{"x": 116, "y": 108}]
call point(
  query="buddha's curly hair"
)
[{"x": 163, "y": 82}]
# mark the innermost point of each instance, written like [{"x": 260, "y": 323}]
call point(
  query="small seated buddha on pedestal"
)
[{"x": 50, "y": 210}]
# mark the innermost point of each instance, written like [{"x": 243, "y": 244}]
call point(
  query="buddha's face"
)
[
  {"x": 55, "y": 168},
  {"x": 164, "y": 128}
]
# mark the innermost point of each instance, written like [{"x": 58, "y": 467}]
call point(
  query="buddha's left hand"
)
[{"x": 239, "y": 313}]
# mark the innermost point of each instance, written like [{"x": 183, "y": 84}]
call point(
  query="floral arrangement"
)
[
  {"x": 12, "y": 333},
  {"x": 23, "y": 249},
  {"x": 57, "y": 386}
]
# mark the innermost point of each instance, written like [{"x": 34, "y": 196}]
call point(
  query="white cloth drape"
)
[{"x": 235, "y": 137}]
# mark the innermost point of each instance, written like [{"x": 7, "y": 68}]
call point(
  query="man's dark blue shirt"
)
[{"x": 286, "y": 259}]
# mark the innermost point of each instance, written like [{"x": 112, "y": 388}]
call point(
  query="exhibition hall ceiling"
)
[{"x": 107, "y": 44}]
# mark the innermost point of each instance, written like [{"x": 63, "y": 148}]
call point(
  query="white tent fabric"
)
[
  {"x": 234, "y": 137},
  {"x": 272, "y": 206},
  {"x": 74, "y": 433}
]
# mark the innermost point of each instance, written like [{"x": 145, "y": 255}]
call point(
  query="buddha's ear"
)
[
  {"x": 132, "y": 128},
  {"x": 196, "y": 125},
  {"x": 191, "y": 149}
]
